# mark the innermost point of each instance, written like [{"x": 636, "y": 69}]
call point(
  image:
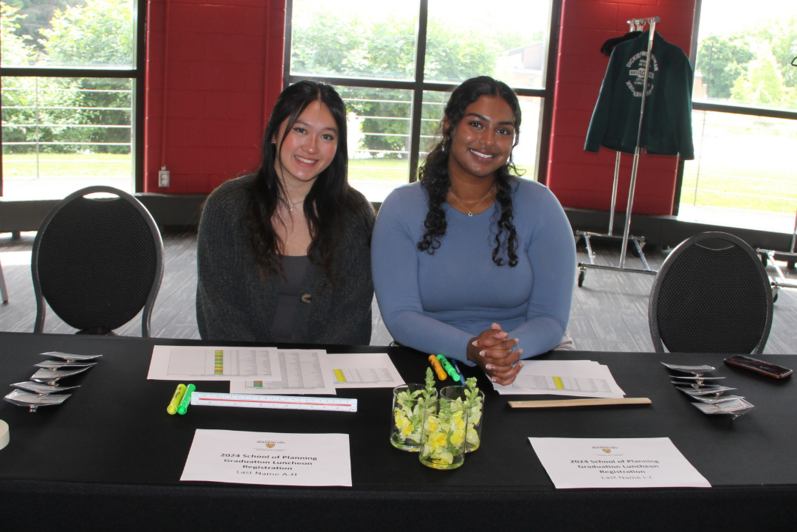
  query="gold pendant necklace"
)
[{"x": 470, "y": 211}]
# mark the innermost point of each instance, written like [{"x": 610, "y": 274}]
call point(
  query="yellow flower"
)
[
  {"x": 431, "y": 424},
  {"x": 457, "y": 436},
  {"x": 398, "y": 415},
  {"x": 458, "y": 422},
  {"x": 403, "y": 423},
  {"x": 438, "y": 439}
]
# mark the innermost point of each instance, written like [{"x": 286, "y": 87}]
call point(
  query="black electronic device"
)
[{"x": 759, "y": 366}]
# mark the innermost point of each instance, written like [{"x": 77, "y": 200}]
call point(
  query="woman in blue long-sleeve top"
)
[{"x": 472, "y": 261}]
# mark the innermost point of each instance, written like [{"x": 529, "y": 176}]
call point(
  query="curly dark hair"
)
[
  {"x": 434, "y": 177},
  {"x": 330, "y": 199}
]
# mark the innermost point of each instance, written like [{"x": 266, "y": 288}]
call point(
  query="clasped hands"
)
[{"x": 495, "y": 353}]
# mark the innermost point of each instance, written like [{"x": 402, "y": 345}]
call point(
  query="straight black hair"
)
[{"x": 330, "y": 199}]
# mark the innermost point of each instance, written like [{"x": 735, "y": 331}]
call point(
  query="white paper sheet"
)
[
  {"x": 303, "y": 371},
  {"x": 269, "y": 458},
  {"x": 574, "y": 378},
  {"x": 616, "y": 463},
  {"x": 364, "y": 370},
  {"x": 184, "y": 363}
]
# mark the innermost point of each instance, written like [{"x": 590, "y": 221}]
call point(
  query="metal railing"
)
[{"x": 43, "y": 123}]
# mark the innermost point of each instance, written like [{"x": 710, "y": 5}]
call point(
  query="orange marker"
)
[{"x": 441, "y": 373}]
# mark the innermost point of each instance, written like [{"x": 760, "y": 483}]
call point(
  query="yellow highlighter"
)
[
  {"x": 178, "y": 396},
  {"x": 441, "y": 373}
]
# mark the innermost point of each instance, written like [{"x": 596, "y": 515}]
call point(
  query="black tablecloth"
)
[{"x": 111, "y": 456}]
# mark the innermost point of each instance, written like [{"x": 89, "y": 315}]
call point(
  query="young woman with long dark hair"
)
[
  {"x": 474, "y": 262},
  {"x": 283, "y": 255}
]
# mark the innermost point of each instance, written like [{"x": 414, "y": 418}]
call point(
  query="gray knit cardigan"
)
[{"x": 234, "y": 304}]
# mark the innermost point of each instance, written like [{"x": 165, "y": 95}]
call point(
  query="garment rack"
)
[
  {"x": 638, "y": 241},
  {"x": 3, "y": 291},
  {"x": 789, "y": 257}
]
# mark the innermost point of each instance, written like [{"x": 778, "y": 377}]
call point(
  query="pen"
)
[
  {"x": 448, "y": 367},
  {"x": 441, "y": 374},
  {"x": 176, "y": 398},
  {"x": 456, "y": 368},
  {"x": 183, "y": 408}
]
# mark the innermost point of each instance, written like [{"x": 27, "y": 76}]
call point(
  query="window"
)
[
  {"x": 69, "y": 101},
  {"x": 744, "y": 116},
  {"x": 395, "y": 66}
]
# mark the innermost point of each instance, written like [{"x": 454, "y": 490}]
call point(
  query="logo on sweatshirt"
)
[{"x": 636, "y": 71}]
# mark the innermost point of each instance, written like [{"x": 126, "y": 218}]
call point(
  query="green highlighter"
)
[
  {"x": 183, "y": 407},
  {"x": 448, "y": 367}
]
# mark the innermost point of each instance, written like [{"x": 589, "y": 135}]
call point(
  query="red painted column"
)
[
  {"x": 220, "y": 70},
  {"x": 583, "y": 179}
]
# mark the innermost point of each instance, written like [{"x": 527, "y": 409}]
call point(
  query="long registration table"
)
[{"x": 111, "y": 457}]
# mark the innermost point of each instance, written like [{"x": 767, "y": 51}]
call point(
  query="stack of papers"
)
[
  {"x": 268, "y": 370},
  {"x": 271, "y": 458},
  {"x": 574, "y": 378}
]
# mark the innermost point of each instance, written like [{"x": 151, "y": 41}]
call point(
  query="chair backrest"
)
[
  {"x": 711, "y": 295},
  {"x": 97, "y": 261}
]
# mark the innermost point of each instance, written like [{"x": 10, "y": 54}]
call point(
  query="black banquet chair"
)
[
  {"x": 97, "y": 261},
  {"x": 711, "y": 295}
]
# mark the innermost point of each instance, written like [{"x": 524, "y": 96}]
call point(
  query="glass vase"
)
[
  {"x": 409, "y": 404},
  {"x": 444, "y": 430},
  {"x": 475, "y": 403}
]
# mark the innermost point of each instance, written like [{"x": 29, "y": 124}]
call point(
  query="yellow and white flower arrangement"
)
[
  {"x": 475, "y": 403},
  {"x": 408, "y": 413},
  {"x": 444, "y": 435}
]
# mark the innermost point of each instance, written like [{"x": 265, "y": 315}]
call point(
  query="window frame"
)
[
  {"x": 137, "y": 74},
  {"x": 418, "y": 85}
]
